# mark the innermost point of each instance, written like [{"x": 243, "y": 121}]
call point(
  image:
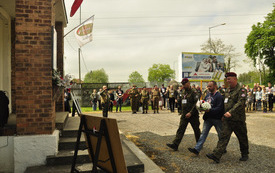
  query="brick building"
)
[{"x": 31, "y": 45}]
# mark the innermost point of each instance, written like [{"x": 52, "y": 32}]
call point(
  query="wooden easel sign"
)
[{"x": 103, "y": 142}]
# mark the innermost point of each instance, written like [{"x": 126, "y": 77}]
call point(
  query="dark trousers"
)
[
  {"x": 270, "y": 102},
  {"x": 240, "y": 130},
  {"x": 105, "y": 108},
  {"x": 99, "y": 105},
  {"x": 111, "y": 106},
  {"x": 74, "y": 110},
  {"x": 164, "y": 101},
  {"x": 172, "y": 104},
  {"x": 264, "y": 106},
  {"x": 118, "y": 104},
  {"x": 195, "y": 123},
  {"x": 179, "y": 106}
]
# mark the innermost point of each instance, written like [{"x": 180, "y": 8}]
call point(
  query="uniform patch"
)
[{"x": 243, "y": 95}]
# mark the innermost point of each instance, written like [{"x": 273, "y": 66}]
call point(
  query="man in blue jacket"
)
[{"x": 211, "y": 117}]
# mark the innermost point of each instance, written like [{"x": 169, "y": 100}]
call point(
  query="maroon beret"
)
[
  {"x": 184, "y": 81},
  {"x": 230, "y": 74}
]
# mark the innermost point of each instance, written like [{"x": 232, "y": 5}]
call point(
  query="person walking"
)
[
  {"x": 119, "y": 98},
  {"x": 270, "y": 91},
  {"x": 134, "y": 98},
  {"x": 144, "y": 94},
  {"x": 163, "y": 95},
  {"x": 259, "y": 99},
  {"x": 171, "y": 94},
  {"x": 155, "y": 95},
  {"x": 234, "y": 119},
  {"x": 105, "y": 101},
  {"x": 211, "y": 117},
  {"x": 112, "y": 99},
  {"x": 94, "y": 97},
  {"x": 189, "y": 115},
  {"x": 179, "y": 99},
  {"x": 99, "y": 99}
]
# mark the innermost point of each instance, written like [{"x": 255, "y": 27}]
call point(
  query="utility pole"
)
[{"x": 210, "y": 34}]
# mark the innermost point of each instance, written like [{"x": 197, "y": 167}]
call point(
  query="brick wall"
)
[{"x": 33, "y": 67}]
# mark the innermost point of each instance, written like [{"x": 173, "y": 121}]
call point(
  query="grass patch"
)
[{"x": 90, "y": 109}]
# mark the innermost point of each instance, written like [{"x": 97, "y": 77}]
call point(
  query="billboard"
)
[{"x": 201, "y": 66}]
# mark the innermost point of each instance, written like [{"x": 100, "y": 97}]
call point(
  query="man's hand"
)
[
  {"x": 188, "y": 115},
  {"x": 227, "y": 114}
]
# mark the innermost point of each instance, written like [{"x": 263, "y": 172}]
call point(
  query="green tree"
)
[
  {"x": 135, "y": 78},
  {"x": 160, "y": 73},
  {"x": 260, "y": 44},
  {"x": 218, "y": 47},
  {"x": 96, "y": 76}
]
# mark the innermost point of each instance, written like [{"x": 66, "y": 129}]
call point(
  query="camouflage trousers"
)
[
  {"x": 240, "y": 130},
  {"x": 155, "y": 103},
  {"x": 134, "y": 104},
  {"x": 195, "y": 123}
]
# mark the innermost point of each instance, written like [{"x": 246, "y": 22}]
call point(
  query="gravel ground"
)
[{"x": 150, "y": 132}]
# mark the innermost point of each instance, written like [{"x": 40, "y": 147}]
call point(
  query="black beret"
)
[
  {"x": 184, "y": 81},
  {"x": 230, "y": 74},
  {"x": 134, "y": 85}
]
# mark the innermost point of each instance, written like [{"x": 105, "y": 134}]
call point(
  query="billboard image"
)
[{"x": 202, "y": 66}]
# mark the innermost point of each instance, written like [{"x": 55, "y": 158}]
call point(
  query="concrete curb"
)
[{"x": 149, "y": 165}]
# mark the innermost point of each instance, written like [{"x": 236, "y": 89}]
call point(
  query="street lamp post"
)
[{"x": 210, "y": 34}]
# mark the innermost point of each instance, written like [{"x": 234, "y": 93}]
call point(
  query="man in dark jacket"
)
[{"x": 212, "y": 117}]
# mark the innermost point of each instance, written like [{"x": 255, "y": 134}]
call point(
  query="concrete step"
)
[
  {"x": 65, "y": 157},
  {"x": 83, "y": 168},
  {"x": 68, "y": 143},
  {"x": 61, "y": 120}
]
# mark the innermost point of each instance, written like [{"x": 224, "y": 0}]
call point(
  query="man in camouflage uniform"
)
[
  {"x": 144, "y": 94},
  {"x": 155, "y": 95},
  {"x": 134, "y": 98},
  {"x": 189, "y": 114},
  {"x": 234, "y": 119},
  {"x": 105, "y": 101},
  {"x": 179, "y": 99}
]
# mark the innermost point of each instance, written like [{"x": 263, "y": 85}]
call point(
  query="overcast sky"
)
[{"x": 132, "y": 35}]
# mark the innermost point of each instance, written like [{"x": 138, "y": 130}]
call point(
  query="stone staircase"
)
[{"x": 63, "y": 160}]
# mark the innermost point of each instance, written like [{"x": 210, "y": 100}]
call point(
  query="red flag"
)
[{"x": 75, "y": 6}]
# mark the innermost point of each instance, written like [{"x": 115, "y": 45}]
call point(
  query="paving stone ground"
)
[{"x": 150, "y": 132}]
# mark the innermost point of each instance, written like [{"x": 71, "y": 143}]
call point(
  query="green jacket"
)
[
  {"x": 189, "y": 100},
  {"x": 105, "y": 97},
  {"x": 234, "y": 103},
  {"x": 134, "y": 94}
]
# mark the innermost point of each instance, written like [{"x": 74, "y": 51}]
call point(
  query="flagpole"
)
[{"x": 79, "y": 66}]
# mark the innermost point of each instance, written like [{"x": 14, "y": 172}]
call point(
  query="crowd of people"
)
[
  {"x": 260, "y": 97},
  {"x": 226, "y": 113}
]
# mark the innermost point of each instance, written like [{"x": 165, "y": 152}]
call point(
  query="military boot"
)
[
  {"x": 173, "y": 146},
  {"x": 244, "y": 157}
]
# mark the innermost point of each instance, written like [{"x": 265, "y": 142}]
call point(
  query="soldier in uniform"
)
[
  {"x": 189, "y": 114},
  {"x": 171, "y": 95},
  {"x": 234, "y": 119},
  {"x": 179, "y": 99},
  {"x": 105, "y": 101},
  {"x": 134, "y": 98},
  {"x": 144, "y": 94},
  {"x": 155, "y": 96}
]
